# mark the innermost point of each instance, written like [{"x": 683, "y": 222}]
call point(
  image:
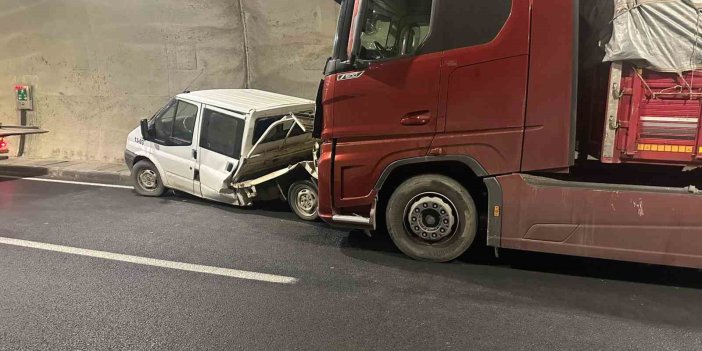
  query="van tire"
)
[
  {"x": 303, "y": 198},
  {"x": 432, "y": 218},
  {"x": 147, "y": 180}
]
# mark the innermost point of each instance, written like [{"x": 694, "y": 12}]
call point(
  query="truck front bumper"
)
[{"x": 355, "y": 221}]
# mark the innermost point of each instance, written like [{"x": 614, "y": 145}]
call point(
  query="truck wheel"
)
[
  {"x": 432, "y": 218},
  {"x": 303, "y": 200},
  {"x": 147, "y": 180}
]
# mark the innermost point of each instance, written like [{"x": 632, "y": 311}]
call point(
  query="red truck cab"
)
[{"x": 442, "y": 118}]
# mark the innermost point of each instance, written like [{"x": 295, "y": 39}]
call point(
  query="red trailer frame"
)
[{"x": 653, "y": 117}]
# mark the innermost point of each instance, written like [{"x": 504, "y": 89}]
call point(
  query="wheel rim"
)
[
  {"x": 431, "y": 218},
  {"x": 148, "y": 179},
  {"x": 306, "y": 202}
]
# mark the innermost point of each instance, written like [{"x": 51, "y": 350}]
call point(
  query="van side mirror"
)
[{"x": 144, "y": 124}]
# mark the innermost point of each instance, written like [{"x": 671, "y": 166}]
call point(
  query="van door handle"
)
[
  {"x": 420, "y": 118},
  {"x": 230, "y": 167},
  {"x": 195, "y": 154}
]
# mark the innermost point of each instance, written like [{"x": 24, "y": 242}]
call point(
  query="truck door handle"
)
[
  {"x": 420, "y": 118},
  {"x": 195, "y": 154},
  {"x": 230, "y": 166}
]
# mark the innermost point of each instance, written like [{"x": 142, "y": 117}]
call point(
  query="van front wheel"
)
[
  {"x": 147, "y": 180},
  {"x": 432, "y": 218}
]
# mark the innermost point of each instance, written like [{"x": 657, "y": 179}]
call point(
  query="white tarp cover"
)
[{"x": 661, "y": 35}]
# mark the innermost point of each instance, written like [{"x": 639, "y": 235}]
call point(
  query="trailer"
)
[{"x": 559, "y": 126}]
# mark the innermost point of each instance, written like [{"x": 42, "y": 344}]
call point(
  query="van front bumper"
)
[{"x": 129, "y": 158}]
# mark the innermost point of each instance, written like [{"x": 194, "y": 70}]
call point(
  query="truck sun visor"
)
[{"x": 660, "y": 35}]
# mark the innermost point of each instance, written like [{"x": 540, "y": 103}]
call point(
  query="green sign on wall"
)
[
  {"x": 24, "y": 97},
  {"x": 23, "y": 94}
]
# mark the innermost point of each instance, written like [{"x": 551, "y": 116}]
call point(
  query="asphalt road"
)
[{"x": 352, "y": 292}]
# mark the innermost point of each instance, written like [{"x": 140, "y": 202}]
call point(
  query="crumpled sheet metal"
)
[{"x": 660, "y": 35}]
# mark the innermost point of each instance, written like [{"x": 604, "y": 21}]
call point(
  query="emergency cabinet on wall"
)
[{"x": 24, "y": 97}]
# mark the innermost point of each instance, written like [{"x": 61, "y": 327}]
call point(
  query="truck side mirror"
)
[{"x": 144, "y": 124}]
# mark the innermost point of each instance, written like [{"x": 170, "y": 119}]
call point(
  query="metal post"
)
[{"x": 22, "y": 122}]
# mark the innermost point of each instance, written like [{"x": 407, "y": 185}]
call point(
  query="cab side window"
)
[
  {"x": 394, "y": 28},
  {"x": 175, "y": 125},
  {"x": 184, "y": 123},
  {"x": 466, "y": 23}
]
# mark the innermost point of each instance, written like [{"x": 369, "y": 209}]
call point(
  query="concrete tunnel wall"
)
[{"x": 99, "y": 66}]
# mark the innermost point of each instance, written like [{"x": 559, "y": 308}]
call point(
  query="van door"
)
[
  {"x": 173, "y": 131},
  {"x": 221, "y": 141}
]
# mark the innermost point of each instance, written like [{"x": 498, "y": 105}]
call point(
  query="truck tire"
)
[
  {"x": 304, "y": 200},
  {"x": 432, "y": 218},
  {"x": 147, "y": 180}
]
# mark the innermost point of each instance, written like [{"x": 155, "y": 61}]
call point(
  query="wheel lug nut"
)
[
  {"x": 424, "y": 235},
  {"x": 434, "y": 236},
  {"x": 414, "y": 219},
  {"x": 416, "y": 210},
  {"x": 435, "y": 206},
  {"x": 446, "y": 221},
  {"x": 425, "y": 206}
]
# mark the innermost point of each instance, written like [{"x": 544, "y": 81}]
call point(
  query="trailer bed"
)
[{"x": 653, "y": 117}]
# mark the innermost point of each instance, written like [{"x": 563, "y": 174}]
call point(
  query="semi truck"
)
[{"x": 556, "y": 126}]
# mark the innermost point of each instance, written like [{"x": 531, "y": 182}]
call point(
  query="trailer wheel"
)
[
  {"x": 432, "y": 218},
  {"x": 304, "y": 200},
  {"x": 147, "y": 180}
]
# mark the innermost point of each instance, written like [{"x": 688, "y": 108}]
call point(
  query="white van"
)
[{"x": 231, "y": 146}]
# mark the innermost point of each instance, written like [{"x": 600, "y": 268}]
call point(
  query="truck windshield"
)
[{"x": 392, "y": 28}]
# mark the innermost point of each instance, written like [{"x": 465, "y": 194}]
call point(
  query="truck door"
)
[
  {"x": 389, "y": 100},
  {"x": 221, "y": 140},
  {"x": 173, "y": 142}
]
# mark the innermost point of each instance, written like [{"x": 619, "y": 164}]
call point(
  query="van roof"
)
[{"x": 245, "y": 100}]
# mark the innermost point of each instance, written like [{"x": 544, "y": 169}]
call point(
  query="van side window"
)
[
  {"x": 175, "y": 124},
  {"x": 394, "y": 29},
  {"x": 184, "y": 123},
  {"x": 280, "y": 132},
  {"x": 222, "y": 133}
]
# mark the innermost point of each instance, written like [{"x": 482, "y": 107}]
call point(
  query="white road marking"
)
[
  {"x": 69, "y": 182},
  {"x": 226, "y": 272}
]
